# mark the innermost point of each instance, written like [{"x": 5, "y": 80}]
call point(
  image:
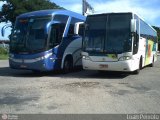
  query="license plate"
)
[
  {"x": 103, "y": 66},
  {"x": 23, "y": 66}
]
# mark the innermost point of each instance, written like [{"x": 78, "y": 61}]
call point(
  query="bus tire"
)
[
  {"x": 152, "y": 64},
  {"x": 140, "y": 63},
  {"x": 136, "y": 71},
  {"x": 68, "y": 65},
  {"x": 140, "y": 67}
]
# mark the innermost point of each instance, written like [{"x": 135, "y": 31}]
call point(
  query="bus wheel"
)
[
  {"x": 136, "y": 71},
  {"x": 152, "y": 64},
  {"x": 140, "y": 67},
  {"x": 68, "y": 65},
  {"x": 140, "y": 63}
]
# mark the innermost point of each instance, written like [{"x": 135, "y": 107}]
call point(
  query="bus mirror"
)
[
  {"x": 3, "y": 29},
  {"x": 78, "y": 27},
  {"x": 133, "y": 25}
]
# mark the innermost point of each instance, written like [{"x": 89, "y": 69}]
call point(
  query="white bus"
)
[{"x": 118, "y": 42}]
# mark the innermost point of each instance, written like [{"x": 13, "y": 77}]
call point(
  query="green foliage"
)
[
  {"x": 13, "y": 8},
  {"x": 158, "y": 32},
  {"x": 3, "y": 51},
  {"x": 3, "y": 56}
]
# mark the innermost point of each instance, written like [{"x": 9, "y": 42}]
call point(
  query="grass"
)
[
  {"x": 3, "y": 56},
  {"x": 3, "y": 53}
]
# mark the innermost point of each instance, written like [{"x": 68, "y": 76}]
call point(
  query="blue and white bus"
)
[
  {"x": 118, "y": 42},
  {"x": 46, "y": 40}
]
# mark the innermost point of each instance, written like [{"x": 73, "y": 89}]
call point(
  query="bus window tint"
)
[
  {"x": 81, "y": 30},
  {"x": 28, "y": 33},
  {"x": 18, "y": 35},
  {"x": 95, "y": 41},
  {"x": 36, "y": 34},
  {"x": 136, "y": 36},
  {"x": 72, "y": 24},
  {"x": 53, "y": 36},
  {"x": 118, "y": 34},
  {"x": 61, "y": 18},
  {"x": 56, "y": 34},
  {"x": 108, "y": 33},
  {"x": 147, "y": 32}
]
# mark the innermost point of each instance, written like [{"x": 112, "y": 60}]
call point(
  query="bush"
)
[{"x": 3, "y": 50}]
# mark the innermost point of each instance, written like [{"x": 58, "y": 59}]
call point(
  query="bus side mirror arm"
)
[{"x": 133, "y": 25}]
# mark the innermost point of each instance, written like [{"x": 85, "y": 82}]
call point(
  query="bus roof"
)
[
  {"x": 52, "y": 12},
  {"x": 111, "y": 13}
]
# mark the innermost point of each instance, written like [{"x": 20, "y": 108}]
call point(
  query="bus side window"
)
[
  {"x": 62, "y": 21},
  {"x": 72, "y": 25},
  {"x": 56, "y": 34},
  {"x": 71, "y": 30},
  {"x": 135, "y": 43},
  {"x": 81, "y": 30},
  {"x": 136, "y": 38},
  {"x": 53, "y": 36}
]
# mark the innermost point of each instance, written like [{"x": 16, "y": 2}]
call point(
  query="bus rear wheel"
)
[
  {"x": 68, "y": 65},
  {"x": 152, "y": 64}
]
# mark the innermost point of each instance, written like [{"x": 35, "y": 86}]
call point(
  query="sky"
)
[
  {"x": 8, "y": 30},
  {"x": 1, "y": 3},
  {"x": 149, "y": 10}
]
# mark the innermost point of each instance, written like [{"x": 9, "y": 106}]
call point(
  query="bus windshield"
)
[
  {"x": 29, "y": 34},
  {"x": 108, "y": 33}
]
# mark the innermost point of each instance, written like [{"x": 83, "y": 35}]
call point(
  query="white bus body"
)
[{"x": 118, "y": 42}]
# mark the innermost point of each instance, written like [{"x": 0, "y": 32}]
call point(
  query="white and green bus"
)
[{"x": 118, "y": 42}]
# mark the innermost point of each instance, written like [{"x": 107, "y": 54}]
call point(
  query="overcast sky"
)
[{"x": 147, "y": 9}]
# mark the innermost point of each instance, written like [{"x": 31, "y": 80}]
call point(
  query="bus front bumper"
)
[
  {"x": 126, "y": 66},
  {"x": 41, "y": 65}
]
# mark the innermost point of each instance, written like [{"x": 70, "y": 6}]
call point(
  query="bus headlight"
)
[
  {"x": 125, "y": 58},
  {"x": 85, "y": 57},
  {"x": 46, "y": 56}
]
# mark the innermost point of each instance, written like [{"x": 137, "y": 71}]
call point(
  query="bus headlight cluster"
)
[
  {"x": 125, "y": 58},
  {"x": 46, "y": 56},
  {"x": 85, "y": 57}
]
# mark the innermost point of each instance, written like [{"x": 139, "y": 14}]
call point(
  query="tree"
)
[
  {"x": 13, "y": 8},
  {"x": 158, "y": 32}
]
